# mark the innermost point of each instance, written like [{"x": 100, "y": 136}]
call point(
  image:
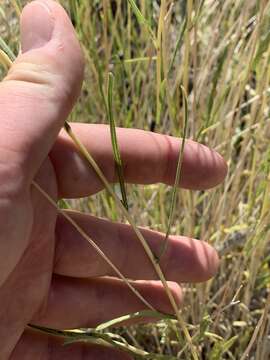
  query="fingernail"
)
[{"x": 37, "y": 24}]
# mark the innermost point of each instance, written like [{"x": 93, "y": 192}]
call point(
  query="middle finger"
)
[{"x": 185, "y": 260}]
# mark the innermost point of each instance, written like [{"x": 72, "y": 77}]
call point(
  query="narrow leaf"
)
[
  {"x": 137, "y": 315},
  {"x": 141, "y": 19},
  {"x": 116, "y": 152},
  {"x": 177, "y": 176},
  {"x": 6, "y": 49}
]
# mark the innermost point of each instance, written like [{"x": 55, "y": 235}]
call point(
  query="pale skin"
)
[{"x": 49, "y": 274}]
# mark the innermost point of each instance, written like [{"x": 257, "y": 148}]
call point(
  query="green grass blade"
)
[
  {"x": 177, "y": 176},
  {"x": 93, "y": 336},
  {"x": 116, "y": 152},
  {"x": 63, "y": 204},
  {"x": 17, "y": 6},
  {"x": 6, "y": 49},
  {"x": 141, "y": 19},
  {"x": 178, "y": 45},
  {"x": 5, "y": 60},
  {"x": 198, "y": 14},
  {"x": 137, "y": 315}
]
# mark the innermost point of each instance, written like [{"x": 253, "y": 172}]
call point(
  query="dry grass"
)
[{"x": 222, "y": 60}]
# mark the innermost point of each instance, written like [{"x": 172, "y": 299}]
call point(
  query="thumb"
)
[
  {"x": 35, "y": 98},
  {"x": 39, "y": 91}
]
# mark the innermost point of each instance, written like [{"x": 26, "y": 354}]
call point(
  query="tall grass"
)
[{"x": 219, "y": 51}]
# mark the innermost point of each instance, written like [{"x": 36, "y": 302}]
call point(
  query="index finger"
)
[{"x": 147, "y": 158}]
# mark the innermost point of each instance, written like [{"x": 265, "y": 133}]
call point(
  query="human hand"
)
[{"x": 49, "y": 275}]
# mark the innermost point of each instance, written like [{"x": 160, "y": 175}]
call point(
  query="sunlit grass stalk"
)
[
  {"x": 115, "y": 147},
  {"x": 159, "y": 59},
  {"x": 255, "y": 334},
  {"x": 139, "y": 59},
  {"x": 4, "y": 60},
  {"x": 187, "y": 45}
]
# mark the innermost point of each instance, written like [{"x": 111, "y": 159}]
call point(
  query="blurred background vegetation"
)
[{"x": 219, "y": 51}]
